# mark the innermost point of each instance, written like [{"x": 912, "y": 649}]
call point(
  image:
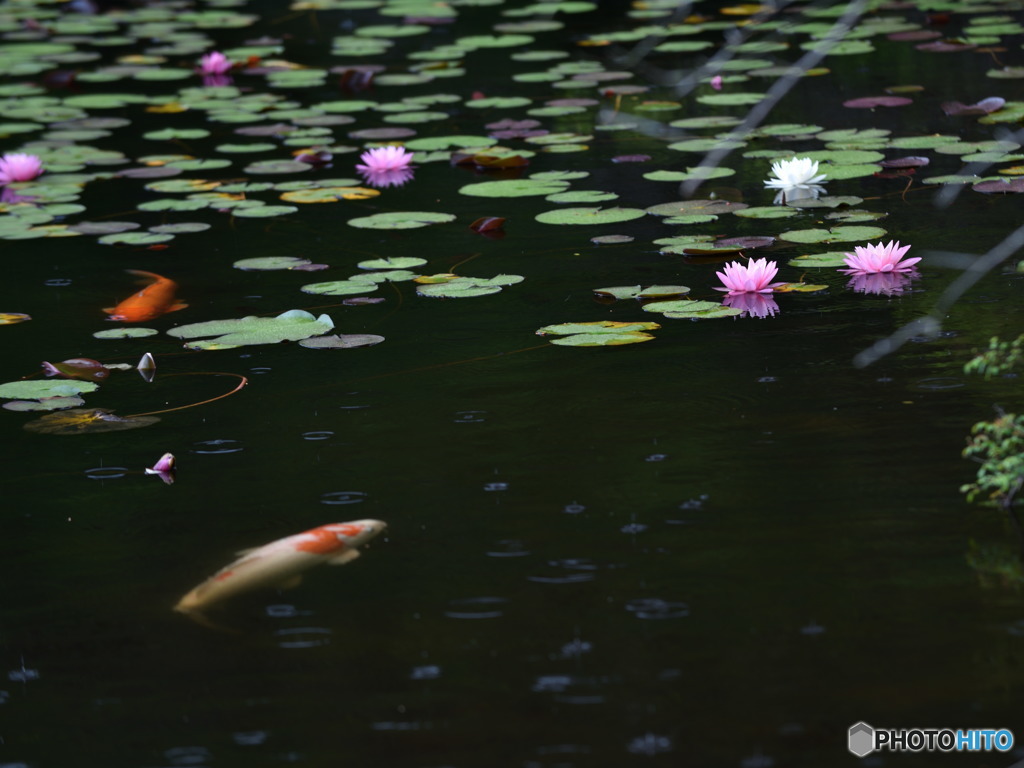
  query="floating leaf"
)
[
  {"x": 589, "y": 215},
  {"x": 263, "y": 211},
  {"x": 339, "y": 287},
  {"x": 800, "y": 288},
  {"x": 342, "y": 341},
  {"x": 126, "y": 333},
  {"x": 292, "y": 325},
  {"x": 515, "y": 188},
  {"x": 601, "y": 333},
  {"x": 329, "y": 194},
  {"x": 401, "y": 220},
  {"x": 636, "y": 292},
  {"x": 46, "y": 404},
  {"x": 36, "y": 390},
  {"x": 11, "y": 318},
  {"x": 833, "y": 235},
  {"x": 692, "y": 310},
  {"x": 466, "y": 287},
  {"x": 270, "y": 263},
  {"x": 392, "y": 262},
  {"x": 87, "y": 421},
  {"x": 830, "y": 259}
]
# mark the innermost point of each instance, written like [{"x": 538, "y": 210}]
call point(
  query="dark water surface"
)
[{"x": 719, "y": 548}]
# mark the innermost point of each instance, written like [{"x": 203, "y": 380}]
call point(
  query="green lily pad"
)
[
  {"x": 692, "y": 310},
  {"x": 589, "y": 215},
  {"x": 636, "y": 292},
  {"x": 278, "y": 166},
  {"x": 126, "y": 333},
  {"x": 292, "y": 325},
  {"x": 466, "y": 287},
  {"x": 530, "y": 187},
  {"x": 401, "y": 220},
  {"x": 766, "y": 212},
  {"x": 339, "y": 287},
  {"x": 46, "y": 404},
  {"x": 601, "y": 333},
  {"x": 270, "y": 263},
  {"x": 342, "y": 341},
  {"x": 36, "y": 390},
  {"x": 833, "y": 235},
  {"x": 830, "y": 259},
  {"x": 730, "y": 99},
  {"x": 582, "y": 196},
  {"x": 392, "y": 262},
  {"x": 262, "y": 211}
]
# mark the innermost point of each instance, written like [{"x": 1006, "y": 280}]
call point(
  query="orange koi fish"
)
[
  {"x": 156, "y": 299},
  {"x": 281, "y": 563}
]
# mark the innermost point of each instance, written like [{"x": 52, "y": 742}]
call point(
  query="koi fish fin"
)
[
  {"x": 176, "y": 306},
  {"x": 290, "y": 583},
  {"x": 345, "y": 557}
]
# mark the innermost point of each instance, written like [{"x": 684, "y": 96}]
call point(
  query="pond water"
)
[{"x": 720, "y": 547}]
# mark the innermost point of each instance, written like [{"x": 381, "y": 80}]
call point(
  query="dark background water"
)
[{"x": 722, "y": 547}]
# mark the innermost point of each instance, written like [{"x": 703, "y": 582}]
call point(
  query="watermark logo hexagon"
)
[{"x": 861, "y": 739}]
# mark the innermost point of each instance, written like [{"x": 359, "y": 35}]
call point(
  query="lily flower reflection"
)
[
  {"x": 395, "y": 177},
  {"x": 882, "y": 283},
  {"x": 796, "y": 178},
  {"x": 752, "y": 304},
  {"x": 217, "y": 80}
]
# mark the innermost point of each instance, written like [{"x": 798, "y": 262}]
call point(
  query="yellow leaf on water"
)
[{"x": 167, "y": 109}]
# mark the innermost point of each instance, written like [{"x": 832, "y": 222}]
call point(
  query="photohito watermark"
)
[{"x": 863, "y": 739}]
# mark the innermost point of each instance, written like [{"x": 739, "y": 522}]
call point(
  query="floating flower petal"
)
[
  {"x": 869, "y": 259},
  {"x": 754, "y": 277}
]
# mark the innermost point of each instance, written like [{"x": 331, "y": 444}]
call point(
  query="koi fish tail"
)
[{"x": 149, "y": 276}]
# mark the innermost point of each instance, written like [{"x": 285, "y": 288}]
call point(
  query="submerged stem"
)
[{"x": 242, "y": 383}]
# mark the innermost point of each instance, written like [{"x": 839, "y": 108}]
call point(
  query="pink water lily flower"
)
[
  {"x": 390, "y": 158},
  {"x": 215, "y": 63},
  {"x": 164, "y": 468},
  {"x": 754, "y": 277},
  {"x": 18, "y": 166},
  {"x": 868, "y": 259}
]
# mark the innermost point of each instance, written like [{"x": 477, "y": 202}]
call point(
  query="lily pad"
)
[
  {"x": 392, "y": 262},
  {"x": 342, "y": 341},
  {"x": 401, "y": 220},
  {"x": 636, "y": 292},
  {"x": 11, "y": 318},
  {"x": 126, "y": 333},
  {"x": 466, "y": 287},
  {"x": 46, "y": 404},
  {"x": 87, "y": 421},
  {"x": 830, "y": 259},
  {"x": 589, "y": 215},
  {"x": 833, "y": 235},
  {"x": 292, "y": 325},
  {"x": 270, "y": 263},
  {"x": 600, "y": 333},
  {"x": 515, "y": 188},
  {"x": 339, "y": 287},
  {"x": 38, "y": 389},
  {"x": 692, "y": 310}
]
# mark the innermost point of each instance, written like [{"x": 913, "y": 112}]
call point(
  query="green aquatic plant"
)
[
  {"x": 1000, "y": 357},
  {"x": 999, "y": 446}
]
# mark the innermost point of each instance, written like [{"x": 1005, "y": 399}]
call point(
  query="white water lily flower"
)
[{"x": 795, "y": 178}]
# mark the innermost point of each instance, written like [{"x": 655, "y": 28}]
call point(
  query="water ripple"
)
[
  {"x": 323, "y": 434},
  {"x": 469, "y": 417},
  {"x": 303, "y": 637},
  {"x": 650, "y": 744},
  {"x": 656, "y": 608},
  {"x": 106, "y": 473},
  {"x": 427, "y": 672},
  {"x": 187, "y": 755},
  {"x": 216, "y": 447},
  {"x": 343, "y": 497},
  {"x": 464, "y": 608},
  {"x": 940, "y": 383}
]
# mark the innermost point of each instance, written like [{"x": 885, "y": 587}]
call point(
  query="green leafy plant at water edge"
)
[
  {"x": 999, "y": 446},
  {"x": 1000, "y": 357}
]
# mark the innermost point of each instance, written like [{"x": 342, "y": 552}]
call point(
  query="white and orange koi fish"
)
[{"x": 281, "y": 563}]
